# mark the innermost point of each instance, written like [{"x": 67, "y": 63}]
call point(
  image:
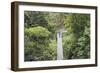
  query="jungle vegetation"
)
[{"x": 40, "y": 35}]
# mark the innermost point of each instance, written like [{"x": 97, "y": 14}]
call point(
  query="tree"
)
[
  {"x": 40, "y": 37},
  {"x": 78, "y": 42},
  {"x": 34, "y": 18}
]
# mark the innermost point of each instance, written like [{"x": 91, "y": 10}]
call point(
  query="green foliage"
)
[
  {"x": 37, "y": 44},
  {"x": 37, "y": 31},
  {"x": 78, "y": 27},
  {"x": 40, "y": 37},
  {"x": 34, "y": 18}
]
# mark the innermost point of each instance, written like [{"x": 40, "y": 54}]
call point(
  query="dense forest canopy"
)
[{"x": 40, "y": 35}]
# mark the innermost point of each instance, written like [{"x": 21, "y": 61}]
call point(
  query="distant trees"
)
[
  {"x": 33, "y": 19},
  {"x": 41, "y": 30}
]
